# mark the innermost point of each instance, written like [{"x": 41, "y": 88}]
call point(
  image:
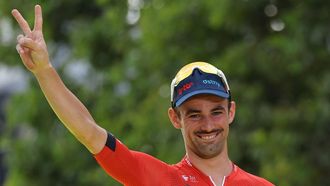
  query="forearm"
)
[{"x": 71, "y": 111}]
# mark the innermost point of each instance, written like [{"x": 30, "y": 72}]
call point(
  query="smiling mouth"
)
[{"x": 208, "y": 135}]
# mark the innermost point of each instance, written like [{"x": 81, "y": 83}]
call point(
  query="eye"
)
[
  {"x": 194, "y": 116},
  {"x": 216, "y": 113}
]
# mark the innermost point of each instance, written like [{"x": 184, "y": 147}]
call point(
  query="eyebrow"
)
[
  {"x": 219, "y": 107},
  {"x": 193, "y": 110}
]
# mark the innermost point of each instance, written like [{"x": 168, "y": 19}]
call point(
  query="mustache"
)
[{"x": 208, "y": 132}]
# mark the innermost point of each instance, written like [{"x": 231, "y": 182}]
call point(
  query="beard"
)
[{"x": 207, "y": 149}]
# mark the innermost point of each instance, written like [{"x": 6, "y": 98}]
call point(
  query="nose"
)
[{"x": 207, "y": 125}]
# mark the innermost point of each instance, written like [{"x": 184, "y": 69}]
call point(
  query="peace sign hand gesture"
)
[{"x": 31, "y": 46}]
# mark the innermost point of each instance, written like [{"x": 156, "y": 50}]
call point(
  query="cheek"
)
[
  {"x": 188, "y": 129},
  {"x": 189, "y": 125},
  {"x": 219, "y": 120}
]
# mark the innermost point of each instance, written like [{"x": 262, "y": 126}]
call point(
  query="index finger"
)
[
  {"x": 21, "y": 21},
  {"x": 38, "y": 18}
]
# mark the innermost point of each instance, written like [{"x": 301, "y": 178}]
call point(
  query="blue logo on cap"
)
[{"x": 211, "y": 82}]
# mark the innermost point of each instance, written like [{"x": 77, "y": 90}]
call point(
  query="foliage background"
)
[{"x": 119, "y": 57}]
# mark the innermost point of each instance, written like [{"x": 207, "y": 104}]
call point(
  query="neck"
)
[{"x": 216, "y": 167}]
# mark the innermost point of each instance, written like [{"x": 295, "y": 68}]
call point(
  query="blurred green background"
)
[{"x": 119, "y": 57}]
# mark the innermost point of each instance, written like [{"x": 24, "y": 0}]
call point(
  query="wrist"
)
[{"x": 43, "y": 71}]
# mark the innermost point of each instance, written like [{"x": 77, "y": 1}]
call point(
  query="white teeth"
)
[{"x": 208, "y": 137}]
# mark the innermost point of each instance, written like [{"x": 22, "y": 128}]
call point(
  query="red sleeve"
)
[{"x": 127, "y": 166}]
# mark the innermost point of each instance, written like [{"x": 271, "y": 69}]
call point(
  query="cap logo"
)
[
  {"x": 185, "y": 87},
  {"x": 211, "y": 82}
]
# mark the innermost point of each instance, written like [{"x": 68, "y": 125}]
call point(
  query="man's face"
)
[{"x": 204, "y": 121}]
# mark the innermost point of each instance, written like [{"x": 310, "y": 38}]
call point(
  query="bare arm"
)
[{"x": 33, "y": 52}]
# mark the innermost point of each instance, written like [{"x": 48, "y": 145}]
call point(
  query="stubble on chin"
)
[{"x": 207, "y": 151}]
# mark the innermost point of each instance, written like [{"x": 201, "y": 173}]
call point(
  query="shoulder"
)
[
  {"x": 241, "y": 177},
  {"x": 131, "y": 167}
]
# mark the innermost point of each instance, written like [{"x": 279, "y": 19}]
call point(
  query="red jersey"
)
[{"x": 133, "y": 168}]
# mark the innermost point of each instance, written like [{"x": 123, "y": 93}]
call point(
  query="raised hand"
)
[{"x": 31, "y": 46}]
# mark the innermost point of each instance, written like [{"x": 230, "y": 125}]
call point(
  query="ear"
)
[
  {"x": 232, "y": 111},
  {"x": 174, "y": 118}
]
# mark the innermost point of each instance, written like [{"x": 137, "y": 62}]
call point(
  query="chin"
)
[
  {"x": 208, "y": 152},
  {"x": 207, "y": 156}
]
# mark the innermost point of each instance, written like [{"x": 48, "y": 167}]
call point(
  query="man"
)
[{"x": 201, "y": 108}]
